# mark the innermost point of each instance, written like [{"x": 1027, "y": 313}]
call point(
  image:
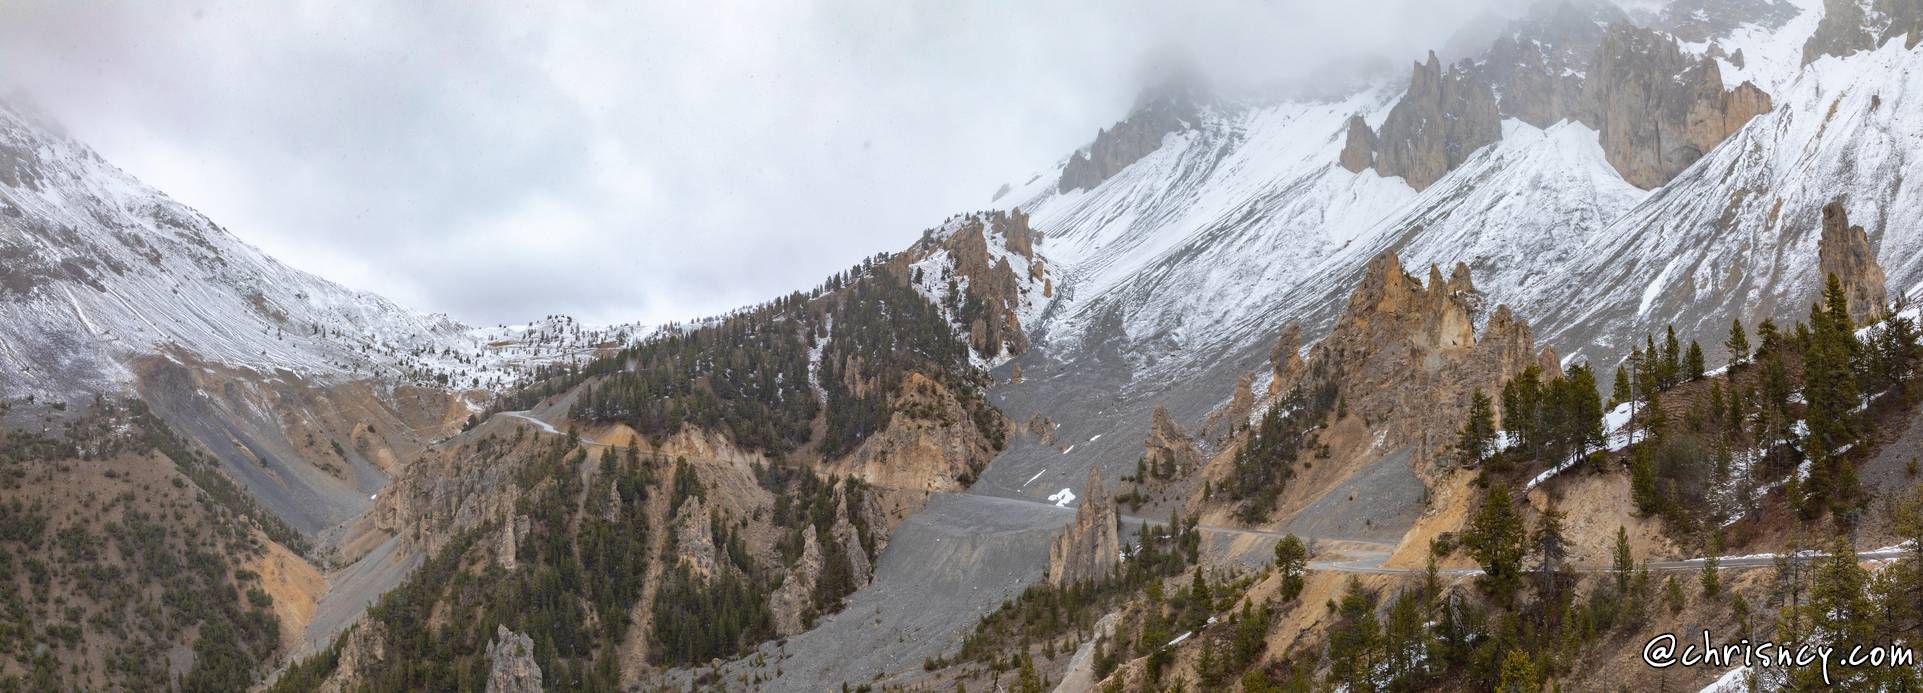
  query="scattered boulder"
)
[{"x": 1042, "y": 428}]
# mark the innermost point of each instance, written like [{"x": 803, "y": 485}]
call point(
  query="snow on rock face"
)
[
  {"x": 1176, "y": 244},
  {"x": 1247, "y": 220},
  {"x": 1737, "y": 234},
  {"x": 96, "y": 266}
]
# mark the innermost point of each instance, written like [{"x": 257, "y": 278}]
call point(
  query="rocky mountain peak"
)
[
  {"x": 1405, "y": 356},
  {"x": 1168, "y": 107},
  {"x": 1089, "y": 549},
  {"x": 1844, "y": 250},
  {"x": 1537, "y": 64},
  {"x": 1445, "y": 116}
]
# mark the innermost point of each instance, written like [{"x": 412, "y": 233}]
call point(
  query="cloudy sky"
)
[{"x": 503, "y": 160}]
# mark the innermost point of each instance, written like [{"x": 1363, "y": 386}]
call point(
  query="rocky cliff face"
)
[
  {"x": 930, "y": 443},
  {"x": 1444, "y": 117},
  {"x": 1168, "y": 446},
  {"x": 694, "y": 537},
  {"x": 1090, "y": 549},
  {"x": 1698, "y": 21},
  {"x": 1128, "y": 141},
  {"x": 1405, "y": 357},
  {"x": 1286, "y": 366},
  {"x": 363, "y": 650},
  {"x": 1844, "y": 250},
  {"x": 1538, "y": 64},
  {"x": 1658, "y": 110},
  {"x": 512, "y": 667},
  {"x": 1850, "y": 26},
  {"x": 796, "y": 594}
]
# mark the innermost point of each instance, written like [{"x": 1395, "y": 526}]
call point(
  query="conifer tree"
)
[
  {"x": 1829, "y": 385},
  {"x": 1693, "y": 362},
  {"x": 1768, "y": 337},
  {"x": 1623, "y": 562},
  {"x": 1585, "y": 414},
  {"x": 1291, "y": 557},
  {"x": 1672, "y": 362},
  {"x": 1620, "y": 393},
  {"x": 1478, "y": 436},
  {"x": 1495, "y": 539},
  {"x": 1354, "y": 639},
  {"x": 1738, "y": 346},
  {"x": 1519, "y": 674}
]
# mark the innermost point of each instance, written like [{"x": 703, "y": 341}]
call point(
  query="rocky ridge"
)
[
  {"x": 1128, "y": 141},
  {"x": 1656, "y": 108},
  {"x": 1443, "y": 118},
  {"x": 1406, "y": 357},
  {"x": 1853, "y": 26}
]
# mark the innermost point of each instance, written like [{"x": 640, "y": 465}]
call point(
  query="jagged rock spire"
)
[
  {"x": 1844, "y": 250},
  {"x": 1089, "y": 549}
]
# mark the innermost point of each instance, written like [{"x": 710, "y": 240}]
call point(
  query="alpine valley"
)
[{"x": 1593, "y": 325}]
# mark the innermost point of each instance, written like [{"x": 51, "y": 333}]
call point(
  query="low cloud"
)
[{"x": 500, "y": 161}]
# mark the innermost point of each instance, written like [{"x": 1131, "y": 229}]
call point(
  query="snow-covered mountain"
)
[
  {"x": 1175, "y": 273},
  {"x": 1244, "y": 220},
  {"x": 98, "y": 267}
]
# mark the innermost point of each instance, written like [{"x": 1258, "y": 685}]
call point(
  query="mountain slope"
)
[{"x": 99, "y": 267}]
